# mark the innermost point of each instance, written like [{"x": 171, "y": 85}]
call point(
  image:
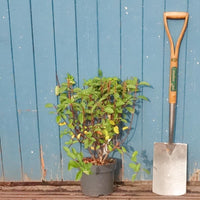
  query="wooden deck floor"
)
[{"x": 72, "y": 191}]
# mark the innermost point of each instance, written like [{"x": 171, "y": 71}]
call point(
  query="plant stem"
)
[{"x": 92, "y": 155}]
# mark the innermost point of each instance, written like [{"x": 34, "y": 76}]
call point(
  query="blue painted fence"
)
[{"x": 39, "y": 38}]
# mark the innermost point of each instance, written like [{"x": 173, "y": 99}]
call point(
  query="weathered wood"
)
[{"x": 72, "y": 190}]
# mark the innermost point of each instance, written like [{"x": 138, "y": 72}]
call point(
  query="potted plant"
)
[{"x": 96, "y": 116}]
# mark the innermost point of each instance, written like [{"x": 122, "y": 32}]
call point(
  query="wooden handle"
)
[
  {"x": 174, "y": 52},
  {"x": 176, "y": 15}
]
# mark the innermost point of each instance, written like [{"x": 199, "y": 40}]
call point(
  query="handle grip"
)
[{"x": 176, "y": 15}]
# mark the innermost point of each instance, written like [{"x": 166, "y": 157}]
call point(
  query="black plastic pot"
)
[{"x": 100, "y": 182}]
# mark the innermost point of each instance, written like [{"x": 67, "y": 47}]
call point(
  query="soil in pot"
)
[{"x": 100, "y": 182}]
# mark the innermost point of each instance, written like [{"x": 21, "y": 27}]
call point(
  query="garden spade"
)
[{"x": 170, "y": 159}]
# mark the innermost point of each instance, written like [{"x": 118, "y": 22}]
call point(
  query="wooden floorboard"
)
[{"x": 123, "y": 191}]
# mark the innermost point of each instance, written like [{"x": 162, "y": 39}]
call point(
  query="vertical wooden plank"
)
[
  {"x": 65, "y": 38},
  {"x": 56, "y": 73},
  {"x": 131, "y": 59},
  {"x": 192, "y": 95},
  {"x": 175, "y": 27},
  {"x": 87, "y": 39},
  {"x": 109, "y": 36},
  {"x": 9, "y": 131},
  {"x": 45, "y": 68},
  {"x": 152, "y": 73},
  {"x": 66, "y": 54},
  {"x": 131, "y": 12},
  {"x": 25, "y": 88}
]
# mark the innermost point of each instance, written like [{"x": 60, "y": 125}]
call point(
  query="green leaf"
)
[
  {"x": 88, "y": 112},
  {"x": 69, "y": 153},
  {"x": 131, "y": 86},
  {"x": 120, "y": 151},
  {"x": 86, "y": 143},
  {"x": 91, "y": 103},
  {"x": 70, "y": 126},
  {"x": 119, "y": 103},
  {"x": 52, "y": 112},
  {"x": 91, "y": 143},
  {"x": 124, "y": 149},
  {"x": 146, "y": 171},
  {"x": 112, "y": 122},
  {"x": 143, "y": 97},
  {"x": 88, "y": 172},
  {"x": 133, "y": 166},
  {"x": 109, "y": 110},
  {"x": 144, "y": 83},
  {"x": 79, "y": 175},
  {"x": 62, "y": 89},
  {"x": 134, "y": 177},
  {"x": 77, "y": 90},
  {"x": 68, "y": 112},
  {"x": 123, "y": 120},
  {"x": 93, "y": 108},
  {"x": 69, "y": 142},
  {"x": 134, "y": 156},
  {"x": 66, "y": 149},
  {"x": 100, "y": 73},
  {"x": 79, "y": 157},
  {"x": 130, "y": 109},
  {"x": 49, "y": 105},
  {"x": 80, "y": 117},
  {"x": 74, "y": 151},
  {"x": 116, "y": 95},
  {"x": 64, "y": 116},
  {"x": 58, "y": 119},
  {"x": 138, "y": 167},
  {"x": 110, "y": 148},
  {"x": 97, "y": 147},
  {"x": 89, "y": 165},
  {"x": 72, "y": 164}
]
